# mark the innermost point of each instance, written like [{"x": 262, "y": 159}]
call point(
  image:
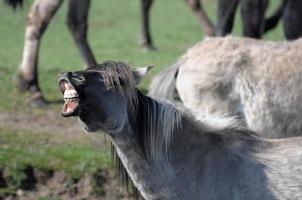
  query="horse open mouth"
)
[{"x": 71, "y": 98}]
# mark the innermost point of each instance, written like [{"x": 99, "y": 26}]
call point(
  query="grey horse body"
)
[
  {"x": 201, "y": 169},
  {"x": 168, "y": 154},
  {"x": 257, "y": 81}
]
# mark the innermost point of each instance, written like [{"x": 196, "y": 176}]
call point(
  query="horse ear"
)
[{"x": 140, "y": 73}]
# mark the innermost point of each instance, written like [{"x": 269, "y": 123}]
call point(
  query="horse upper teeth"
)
[{"x": 70, "y": 94}]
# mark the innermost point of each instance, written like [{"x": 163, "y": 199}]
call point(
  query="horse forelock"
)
[{"x": 117, "y": 76}]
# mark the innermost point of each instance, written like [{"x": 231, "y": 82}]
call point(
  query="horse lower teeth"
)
[{"x": 71, "y": 100}]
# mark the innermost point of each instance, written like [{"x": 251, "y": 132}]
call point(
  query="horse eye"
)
[
  {"x": 81, "y": 78},
  {"x": 78, "y": 77}
]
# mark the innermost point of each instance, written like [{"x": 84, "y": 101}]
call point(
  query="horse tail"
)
[
  {"x": 14, "y": 3},
  {"x": 163, "y": 84}
]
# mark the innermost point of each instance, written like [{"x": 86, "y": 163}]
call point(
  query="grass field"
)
[{"x": 113, "y": 34}]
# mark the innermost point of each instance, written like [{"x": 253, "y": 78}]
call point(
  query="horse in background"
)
[
  {"x": 42, "y": 11},
  {"x": 167, "y": 153},
  {"x": 39, "y": 16},
  {"x": 256, "y": 81}
]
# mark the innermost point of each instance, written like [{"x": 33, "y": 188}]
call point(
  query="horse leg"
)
[
  {"x": 292, "y": 19},
  {"x": 77, "y": 23},
  {"x": 272, "y": 21},
  {"x": 38, "y": 18},
  {"x": 226, "y": 14},
  {"x": 145, "y": 37},
  {"x": 204, "y": 20},
  {"x": 252, "y": 13}
]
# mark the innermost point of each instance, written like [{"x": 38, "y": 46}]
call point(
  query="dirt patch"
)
[
  {"x": 48, "y": 122},
  {"x": 57, "y": 185},
  {"x": 43, "y": 121}
]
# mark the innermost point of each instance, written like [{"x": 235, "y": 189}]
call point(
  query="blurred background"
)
[{"x": 42, "y": 155}]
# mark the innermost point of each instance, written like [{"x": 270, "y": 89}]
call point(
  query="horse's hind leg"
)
[
  {"x": 38, "y": 18},
  {"x": 145, "y": 37},
  {"x": 226, "y": 13},
  {"x": 77, "y": 22},
  {"x": 204, "y": 20},
  {"x": 252, "y": 13}
]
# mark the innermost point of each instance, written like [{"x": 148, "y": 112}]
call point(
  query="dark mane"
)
[{"x": 230, "y": 135}]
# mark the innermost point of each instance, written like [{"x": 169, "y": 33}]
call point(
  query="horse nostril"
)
[{"x": 69, "y": 74}]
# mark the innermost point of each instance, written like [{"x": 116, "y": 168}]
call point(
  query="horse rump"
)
[{"x": 163, "y": 85}]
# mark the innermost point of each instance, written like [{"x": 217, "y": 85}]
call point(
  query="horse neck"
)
[
  {"x": 152, "y": 180},
  {"x": 143, "y": 174}
]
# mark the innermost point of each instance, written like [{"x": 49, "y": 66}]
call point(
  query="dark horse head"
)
[{"x": 108, "y": 88}]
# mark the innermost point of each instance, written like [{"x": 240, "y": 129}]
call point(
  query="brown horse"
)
[{"x": 41, "y": 13}]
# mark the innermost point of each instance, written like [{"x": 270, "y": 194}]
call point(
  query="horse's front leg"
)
[
  {"x": 204, "y": 20},
  {"x": 145, "y": 37},
  {"x": 77, "y": 23},
  {"x": 253, "y": 17},
  {"x": 38, "y": 18},
  {"x": 226, "y": 13}
]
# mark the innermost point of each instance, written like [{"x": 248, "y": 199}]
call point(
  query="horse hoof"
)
[
  {"x": 148, "y": 47},
  {"x": 36, "y": 100},
  {"x": 21, "y": 83}
]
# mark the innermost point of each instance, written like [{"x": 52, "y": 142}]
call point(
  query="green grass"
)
[
  {"x": 20, "y": 150},
  {"x": 113, "y": 34}
]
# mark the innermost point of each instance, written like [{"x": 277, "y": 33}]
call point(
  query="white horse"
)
[
  {"x": 257, "y": 81},
  {"x": 168, "y": 154}
]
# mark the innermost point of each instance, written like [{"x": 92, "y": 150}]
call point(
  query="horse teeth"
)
[{"x": 70, "y": 94}]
